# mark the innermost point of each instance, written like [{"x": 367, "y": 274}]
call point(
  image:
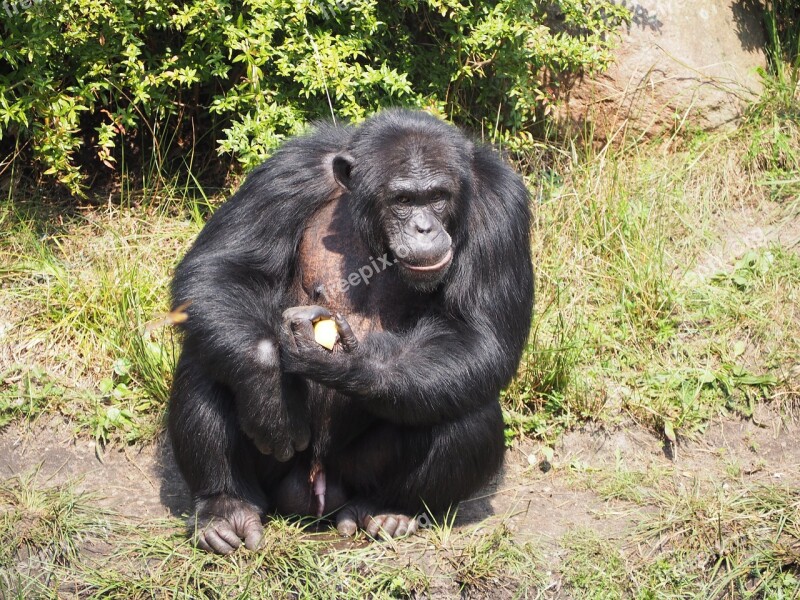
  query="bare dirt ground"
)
[
  {"x": 538, "y": 506},
  {"x": 749, "y": 228}
]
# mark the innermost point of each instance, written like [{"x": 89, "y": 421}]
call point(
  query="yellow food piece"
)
[{"x": 325, "y": 333}]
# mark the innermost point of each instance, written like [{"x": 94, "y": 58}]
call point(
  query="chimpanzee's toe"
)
[
  {"x": 377, "y": 524},
  {"x": 221, "y": 523},
  {"x": 391, "y": 526}
]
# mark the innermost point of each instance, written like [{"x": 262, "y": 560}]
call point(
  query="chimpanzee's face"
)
[
  {"x": 415, "y": 210},
  {"x": 407, "y": 183}
]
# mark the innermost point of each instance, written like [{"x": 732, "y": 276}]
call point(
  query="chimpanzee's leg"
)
[
  {"x": 395, "y": 472},
  {"x": 217, "y": 460}
]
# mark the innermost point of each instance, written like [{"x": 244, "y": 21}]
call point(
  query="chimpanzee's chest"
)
[{"x": 338, "y": 272}]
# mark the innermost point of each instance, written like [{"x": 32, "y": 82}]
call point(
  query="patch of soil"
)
[
  {"x": 539, "y": 505},
  {"x": 762, "y": 448},
  {"x": 748, "y": 228},
  {"x": 145, "y": 482},
  {"x": 539, "y": 502},
  {"x": 138, "y": 483}
]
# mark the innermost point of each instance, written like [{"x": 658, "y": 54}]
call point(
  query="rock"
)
[{"x": 679, "y": 62}]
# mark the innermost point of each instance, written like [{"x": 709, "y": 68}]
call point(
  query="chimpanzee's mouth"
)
[{"x": 437, "y": 266}]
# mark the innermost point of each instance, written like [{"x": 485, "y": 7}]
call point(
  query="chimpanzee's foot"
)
[
  {"x": 377, "y": 523},
  {"x": 221, "y": 522}
]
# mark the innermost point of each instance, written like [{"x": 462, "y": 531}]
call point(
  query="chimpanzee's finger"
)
[
  {"x": 347, "y": 338},
  {"x": 303, "y": 332},
  {"x": 210, "y": 540},
  {"x": 302, "y": 437},
  {"x": 311, "y": 312},
  {"x": 287, "y": 336}
]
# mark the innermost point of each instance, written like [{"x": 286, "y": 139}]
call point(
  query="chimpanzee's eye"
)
[
  {"x": 439, "y": 205},
  {"x": 402, "y": 199}
]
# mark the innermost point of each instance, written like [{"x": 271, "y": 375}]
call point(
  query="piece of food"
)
[{"x": 325, "y": 333}]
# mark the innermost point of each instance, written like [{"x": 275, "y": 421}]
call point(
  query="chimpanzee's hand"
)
[
  {"x": 300, "y": 353},
  {"x": 277, "y": 424}
]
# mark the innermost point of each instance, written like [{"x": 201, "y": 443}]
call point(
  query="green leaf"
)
[
  {"x": 106, "y": 385},
  {"x": 707, "y": 377},
  {"x": 112, "y": 414},
  {"x": 669, "y": 431},
  {"x": 121, "y": 368}
]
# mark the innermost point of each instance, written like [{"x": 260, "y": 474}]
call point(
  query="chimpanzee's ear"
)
[{"x": 342, "y": 163}]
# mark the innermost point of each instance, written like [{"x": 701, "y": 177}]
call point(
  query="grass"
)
[
  {"x": 630, "y": 315},
  {"x": 43, "y": 530},
  {"x": 739, "y": 543},
  {"x": 699, "y": 534},
  {"x": 594, "y": 568},
  {"x": 633, "y": 323},
  {"x": 54, "y": 524},
  {"x": 78, "y": 297},
  {"x": 694, "y": 539}
]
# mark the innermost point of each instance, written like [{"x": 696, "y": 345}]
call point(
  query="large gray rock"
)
[{"x": 679, "y": 62}]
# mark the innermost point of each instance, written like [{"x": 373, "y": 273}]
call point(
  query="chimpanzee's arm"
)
[
  {"x": 234, "y": 281},
  {"x": 437, "y": 371}
]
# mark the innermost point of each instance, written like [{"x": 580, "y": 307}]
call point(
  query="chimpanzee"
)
[{"x": 416, "y": 241}]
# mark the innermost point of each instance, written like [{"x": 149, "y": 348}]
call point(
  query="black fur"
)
[{"x": 414, "y": 419}]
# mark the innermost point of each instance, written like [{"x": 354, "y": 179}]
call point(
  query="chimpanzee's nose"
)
[{"x": 423, "y": 223}]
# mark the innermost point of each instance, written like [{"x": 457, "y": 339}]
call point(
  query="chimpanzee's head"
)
[{"x": 408, "y": 175}]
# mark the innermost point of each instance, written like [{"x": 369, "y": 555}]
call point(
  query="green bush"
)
[{"x": 82, "y": 80}]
